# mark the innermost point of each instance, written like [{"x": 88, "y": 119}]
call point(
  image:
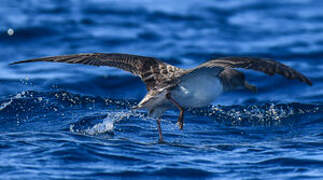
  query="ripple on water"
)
[{"x": 47, "y": 133}]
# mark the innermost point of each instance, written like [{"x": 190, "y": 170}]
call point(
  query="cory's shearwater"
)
[{"x": 169, "y": 86}]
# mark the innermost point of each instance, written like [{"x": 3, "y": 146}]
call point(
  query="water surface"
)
[{"x": 75, "y": 122}]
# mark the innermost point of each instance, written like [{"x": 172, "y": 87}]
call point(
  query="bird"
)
[{"x": 170, "y": 87}]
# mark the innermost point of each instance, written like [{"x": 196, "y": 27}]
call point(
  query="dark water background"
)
[{"x": 72, "y": 121}]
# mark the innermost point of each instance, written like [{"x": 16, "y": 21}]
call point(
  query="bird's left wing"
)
[{"x": 267, "y": 66}]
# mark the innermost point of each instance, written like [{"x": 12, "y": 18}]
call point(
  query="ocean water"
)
[{"x": 62, "y": 121}]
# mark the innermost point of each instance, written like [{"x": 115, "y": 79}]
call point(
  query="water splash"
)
[
  {"x": 10, "y": 32},
  {"x": 97, "y": 116},
  {"x": 5, "y": 104},
  {"x": 8, "y": 103},
  {"x": 96, "y": 125},
  {"x": 267, "y": 114}
]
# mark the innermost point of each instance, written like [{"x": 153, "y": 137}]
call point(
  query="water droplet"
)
[{"x": 10, "y": 32}]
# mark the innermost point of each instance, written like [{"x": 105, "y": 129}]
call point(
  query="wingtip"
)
[
  {"x": 20, "y": 62},
  {"x": 307, "y": 81},
  {"x": 13, "y": 63}
]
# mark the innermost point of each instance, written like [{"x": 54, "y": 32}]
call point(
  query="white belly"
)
[{"x": 198, "y": 91}]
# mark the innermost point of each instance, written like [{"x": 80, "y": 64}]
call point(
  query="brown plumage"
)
[
  {"x": 267, "y": 66},
  {"x": 169, "y": 86},
  {"x": 152, "y": 71}
]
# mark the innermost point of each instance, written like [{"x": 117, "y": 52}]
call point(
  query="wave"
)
[
  {"x": 97, "y": 115},
  {"x": 291, "y": 162}
]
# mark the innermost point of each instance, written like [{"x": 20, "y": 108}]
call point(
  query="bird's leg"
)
[
  {"x": 160, "y": 140},
  {"x": 181, "y": 110}
]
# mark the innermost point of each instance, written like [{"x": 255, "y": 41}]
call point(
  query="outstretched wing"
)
[
  {"x": 152, "y": 71},
  {"x": 267, "y": 66}
]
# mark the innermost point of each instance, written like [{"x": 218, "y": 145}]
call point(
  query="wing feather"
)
[
  {"x": 147, "y": 68},
  {"x": 267, "y": 66}
]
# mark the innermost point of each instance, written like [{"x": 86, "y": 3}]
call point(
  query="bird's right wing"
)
[{"x": 151, "y": 70}]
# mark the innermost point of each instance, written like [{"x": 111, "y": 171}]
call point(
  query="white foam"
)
[
  {"x": 6, "y": 104},
  {"x": 107, "y": 125}
]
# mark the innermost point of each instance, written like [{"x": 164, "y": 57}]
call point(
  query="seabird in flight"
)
[{"x": 169, "y": 86}]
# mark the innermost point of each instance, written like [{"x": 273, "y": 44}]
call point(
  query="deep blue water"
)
[{"x": 63, "y": 121}]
